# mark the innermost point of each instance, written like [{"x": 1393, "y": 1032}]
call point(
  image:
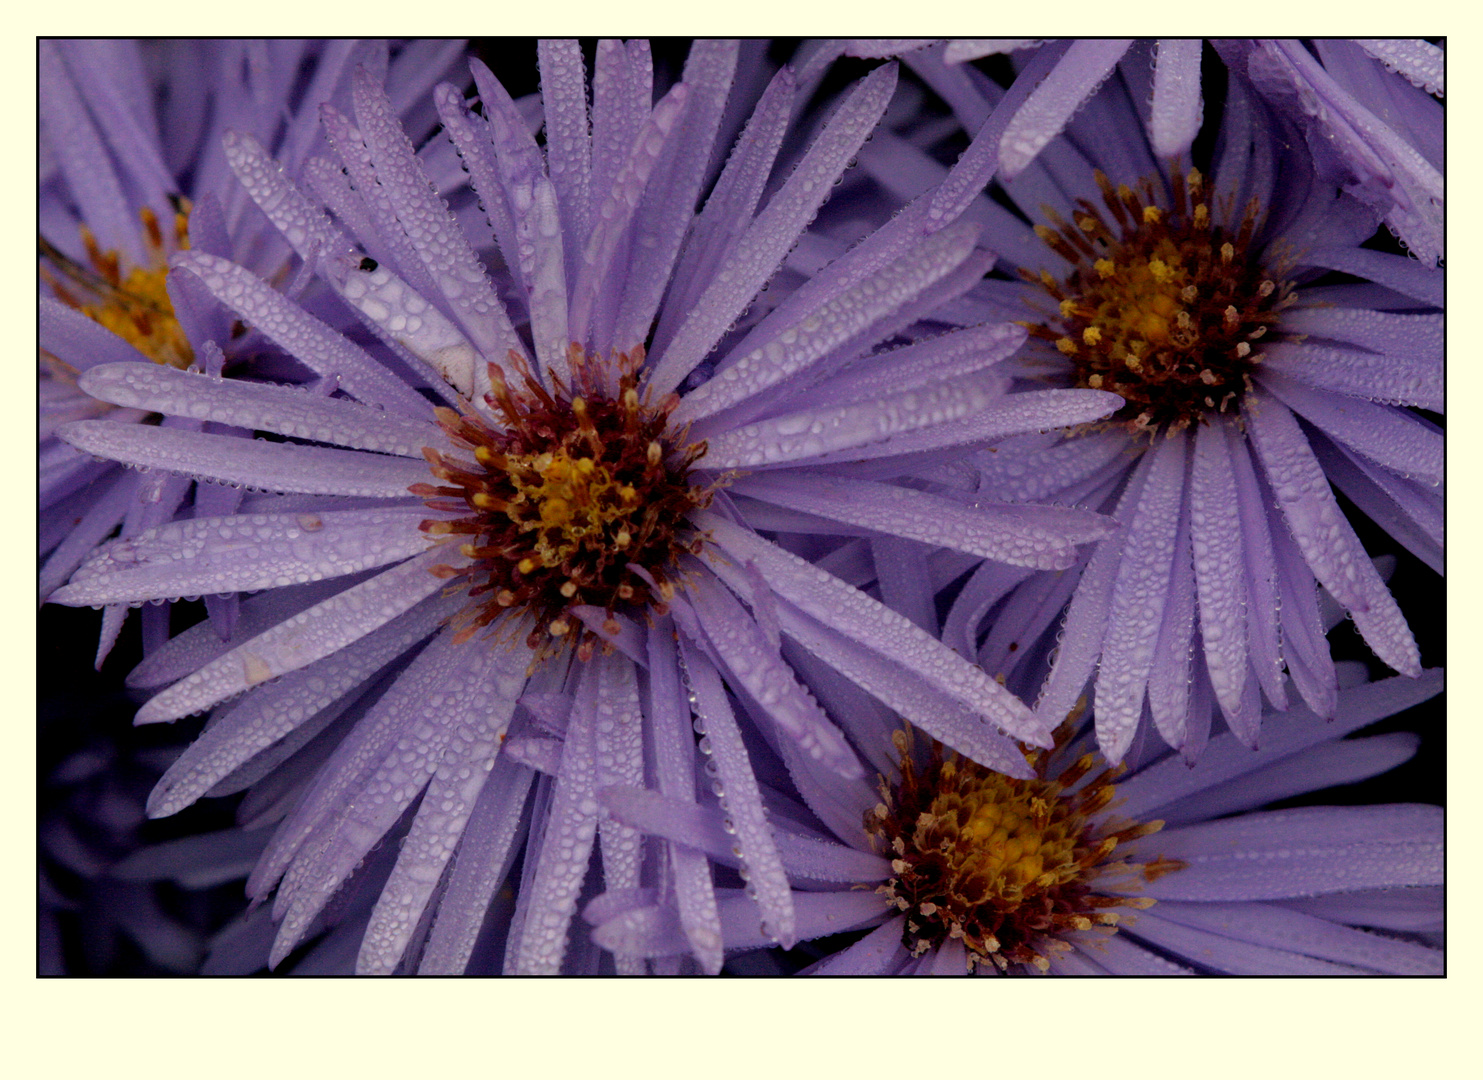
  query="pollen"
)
[
  {"x": 1160, "y": 306},
  {"x": 579, "y": 497},
  {"x": 1007, "y": 866},
  {"x": 131, "y": 301}
]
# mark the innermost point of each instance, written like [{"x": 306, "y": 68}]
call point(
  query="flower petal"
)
[
  {"x": 324, "y": 629},
  {"x": 228, "y": 460}
]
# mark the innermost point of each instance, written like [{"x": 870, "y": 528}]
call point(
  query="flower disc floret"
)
[
  {"x": 580, "y": 498},
  {"x": 1007, "y": 866},
  {"x": 1163, "y": 307},
  {"x": 131, "y": 301}
]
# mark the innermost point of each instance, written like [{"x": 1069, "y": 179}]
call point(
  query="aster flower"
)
[
  {"x": 1365, "y": 106},
  {"x": 131, "y": 173},
  {"x": 1157, "y": 869},
  {"x": 1252, "y": 382},
  {"x": 569, "y": 527}
]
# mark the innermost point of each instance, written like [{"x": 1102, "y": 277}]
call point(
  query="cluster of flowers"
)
[{"x": 879, "y": 508}]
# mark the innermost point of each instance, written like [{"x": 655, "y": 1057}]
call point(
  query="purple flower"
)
[
  {"x": 490, "y": 602},
  {"x": 1161, "y": 869},
  {"x": 131, "y": 173},
  {"x": 1366, "y": 108},
  {"x": 1253, "y": 380}
]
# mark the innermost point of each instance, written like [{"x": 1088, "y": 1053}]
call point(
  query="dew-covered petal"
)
[
  {"x": 441, "y": 697},
  {"x": 1263, "y": 640},
  {"x": 773, "y": 233},
  {"x": 674, "y": 767},
  {"x": 1140, "y": 590},
  {"x": 1220, "y": 953},
  {"x": 228, "y": 460},
  {"x": 87, "y": 532},
  {"x": 431, "y": 229},
  {"x": 300, "y": 222},
  {"x": 1035, "y": 536},
  {"x": 1275, "y": 927},
  {"x": 947, "y": 356},
  {"x": 816, "y": 431},
  {"x": 1176, "y": 109},
  {"x": 1420, "y": 62},
  {"x": 1121, "y": 955},
  {"x": 828, "y": 326},
  {"x": 757, "y": 668},
  {"x": 1045, "y": 113},
  {"x": 653, "y": 930},
  {"x": 84, "y": 160},
  {"x": 321, "y": 630},
  {"x": 877, "y": 953},
  {"x": 1326, "y": 765},
  {"x": 1416, "y": 338},
  {"x": 1389, "y": 437},
  {"x": 1409, "y": 512},
  {"x": 1170, "y": 676},
  {"x": 1361, "y": 375},
  {"x": 620, "y": 760},
  {"x": 478, "y": 712},
  {"x": 243, "y": 553},
  {"x": 79, "y": 341},
  {"x": 200, "y": 644},
  {"x": 1404, "y": 275},
  {"x": 702, "y": 828},
  {"x": 617, "y": 210},
  {"x": 878, "y": 628},
  {"x": 289, "y": 326},
  {"x": 1219, "y": 565},
  {"x": 1013, "y": 414},
  {"x": 730, "y": 206},
  {"x": 1284, "y": 853},
  {"x": 560, "y": 865},
  {"x": 1418, "y": 908},
  {"x": 286, "y": 410},
  {"x": 264, "y": 717},
  {"x": 1324, "y": 535},
  {"x": 568, "y": 139},
  {"x": 668, "y": 205},
  {"x": 1146, "y": 795},
  {"x": 485, "y": 852},
  {"x": 741, "y": 802},
  {"x": 1037, "y": 468},
  {"x": 404, "y": 317}
]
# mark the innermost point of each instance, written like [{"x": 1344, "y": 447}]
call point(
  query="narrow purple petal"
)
[
  {"x": 324, "y": 629},
  {"x": 1325, "y": 537},
  {"x": 286, "y": 410},
  {"x": 768, "y": 239},
  {"x": 1052, "y": 103},
  {"x": 228, "y": 460},
  {"x": 1140, "y": 589},
  {"x": 478, "y": 713},
  {"x": 879, "y": 629},
  {"x": 485, "y": 852},
  {"x": 243, "y": 553},
  {"x": 736, "y": 788},
  {"x": 1177, "y": 108},
  {"x": 1283, "y": 853}
]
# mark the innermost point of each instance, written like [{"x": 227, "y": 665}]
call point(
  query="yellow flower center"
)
[
  {"x": 1164, "y": 308},
  {"x": 132, "y": 303},
  {"x": 581, "y": 498},
  {"x": 1007, "y": 866}
]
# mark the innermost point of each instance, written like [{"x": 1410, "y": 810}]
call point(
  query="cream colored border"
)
[{"x": 983, "y": 1028}]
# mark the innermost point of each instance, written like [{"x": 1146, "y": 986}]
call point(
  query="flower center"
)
[
  {"x": 1007, "y": 866},
  {"x": 580, "y": 499},
  {"x": 1166, "y": 308},
  {"x": 132, "y": 303}
]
